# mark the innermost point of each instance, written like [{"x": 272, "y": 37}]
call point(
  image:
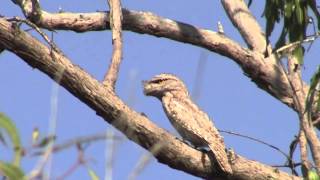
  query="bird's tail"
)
[{"x": 221, "y": 157}]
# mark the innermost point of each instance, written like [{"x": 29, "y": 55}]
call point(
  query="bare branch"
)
[
  {"x": 265, "y": 72},
  {"x": 35, "y": 27},
  {"x": 300, "y": 95},
  {"x": 80, "y": 140},
  {"x": 116, "y": 27},
  {"x": 305, "y": 164},
  {"x": 141, "y": 130},
  {"x": 257, "y": 140},
  {"x": 267, "y": 76},
  {"x": 245, "y": 22}
]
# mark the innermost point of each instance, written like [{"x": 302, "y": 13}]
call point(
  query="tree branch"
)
[
  {"x": 267, "y": 76},
  {"x": 295, "y": 80},
  {"x": 135, "y": 126},
  {"x": 265, "y": 72},
  {"x": 116, "y": 27},
  {"x": 245, "y": 22}
]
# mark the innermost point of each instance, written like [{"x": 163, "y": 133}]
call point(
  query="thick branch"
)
[
  {"x": 135, "y": 126},
  {"x": 246, "y": 23},
  {"x": 116, "y": 27},
  {"x": 264, "y": 72},
  {"x": 267, "y": 76}
]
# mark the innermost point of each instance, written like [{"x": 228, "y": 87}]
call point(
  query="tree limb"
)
[
  {"x": 264, "y": 72},
  {"x": 116, "y": 27},
  {"x": 246, "y": 23},
  {"x": 295, "y": 80}
]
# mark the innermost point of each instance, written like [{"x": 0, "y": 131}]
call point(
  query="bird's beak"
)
[{"x": 146, "y": 87}]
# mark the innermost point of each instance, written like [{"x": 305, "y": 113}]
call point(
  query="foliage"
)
[
  {"x": 11, "y": 171},
  {"x": 295, "y": 17},
  {"x": 8, "y": 128},
  {"x": 312, "y": 175}
]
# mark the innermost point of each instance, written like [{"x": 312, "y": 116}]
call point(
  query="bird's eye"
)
[{"x": 158, "y": 80}]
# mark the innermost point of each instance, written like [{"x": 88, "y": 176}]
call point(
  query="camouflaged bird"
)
[{"x": 191, "y": 123}]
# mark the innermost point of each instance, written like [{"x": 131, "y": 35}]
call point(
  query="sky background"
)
[{"x": 226, "y": 94}]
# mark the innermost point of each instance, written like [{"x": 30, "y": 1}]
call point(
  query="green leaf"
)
[
  {"x": 298, "y": 53},
  {"x": 272, "y": 13},
  {"x": 312, "y": 175},
  {"x": 11, "y": 171},
  {"x": 92, "y": 174},
  {"x": 11, "y": 130},
  {"x": 299, "y": 12},
  {"x": 313, "y": 84},
  {"x": 315, "y": 79},
  {"x": 288, "y": 8}
]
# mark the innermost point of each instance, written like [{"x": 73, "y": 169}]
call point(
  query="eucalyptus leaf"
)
[
  {"x": 313, "y": 85},
  {"x": 9, "y": 127},
  {"x": 298, "y": 53},
  {"x": 312, "y": 175},
  {"x": 11, "y": 171},
  {"x": 299, "y": 12}
]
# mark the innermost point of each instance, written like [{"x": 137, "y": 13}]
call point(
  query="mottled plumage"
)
[{"x": 191, "y": 123}]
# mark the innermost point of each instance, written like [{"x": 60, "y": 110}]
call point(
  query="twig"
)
[
  {"x": 81, "y": 140},
  {"x": 291, "y": 46},
  {"x": 288, "y": 166},
  {"x": 292, "y": 148},
  {"x": 257, "y": 140},
  {"x": 116, "y": 27},
  {"x": 35, "y": 27},
  {"x": 80, "y": 161}
]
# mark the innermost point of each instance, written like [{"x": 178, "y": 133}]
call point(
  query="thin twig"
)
[
  {"x": 116, "y": 27},
  {"x": 80, "y": 161},
  {"x": 257, "y": 140},
  {"x": 293, "y": 45},
  {"x": 81, "y": 140},
  {"x": 287, "y": 166},
  {"x": 292, "y": 148},
  {"x": 35, "y": 27}
]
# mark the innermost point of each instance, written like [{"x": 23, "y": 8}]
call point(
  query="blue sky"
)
[{"x": 229, "y": 97}]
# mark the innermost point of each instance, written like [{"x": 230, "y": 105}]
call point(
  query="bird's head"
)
[{"x": 161, "y": 84}]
